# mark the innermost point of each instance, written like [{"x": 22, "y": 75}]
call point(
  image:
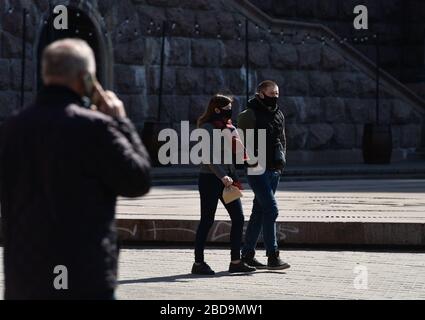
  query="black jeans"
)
[{"x": 211, "y": 190}]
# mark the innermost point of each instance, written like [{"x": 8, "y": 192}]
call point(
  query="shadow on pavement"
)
[{"x": 189, "y": 276}]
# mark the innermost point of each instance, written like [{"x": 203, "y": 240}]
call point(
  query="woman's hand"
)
[{"x": 227, "y": 181}]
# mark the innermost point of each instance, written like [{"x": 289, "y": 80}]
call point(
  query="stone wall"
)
[{"x": 326, "y": 97}]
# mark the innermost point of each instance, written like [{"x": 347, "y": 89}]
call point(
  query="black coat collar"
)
[
  {"x": 256, "y": 103},
  {"x": 58, "y": 96}
]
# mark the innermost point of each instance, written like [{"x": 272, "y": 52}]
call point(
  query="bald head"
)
[{"x": 64, "y": 61}]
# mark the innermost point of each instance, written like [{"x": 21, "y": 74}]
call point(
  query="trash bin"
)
[
  {"x": 377, "y": 144},
  {"x": 149, "y": 136}
]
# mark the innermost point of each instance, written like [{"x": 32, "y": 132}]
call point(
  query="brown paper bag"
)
[{"x": 231, "y": 194}]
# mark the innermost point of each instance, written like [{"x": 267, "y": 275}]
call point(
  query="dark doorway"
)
[{"x": 79, "y": 26}]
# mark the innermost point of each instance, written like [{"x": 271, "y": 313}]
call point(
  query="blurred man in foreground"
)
[{"x": 62, "y": 167}]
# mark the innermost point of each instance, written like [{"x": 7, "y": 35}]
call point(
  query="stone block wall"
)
[{"x": 326, "y": 97}]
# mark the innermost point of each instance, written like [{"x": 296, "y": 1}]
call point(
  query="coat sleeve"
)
[
  {"x": 120, "y": 159},
  {"x": 247, "y": 120},
  {"x": 5, "y": 129},
  {"x": 283, "y": 137},
  {"x": 2, "y": 147},
  {"x": 214, "y": 164}
]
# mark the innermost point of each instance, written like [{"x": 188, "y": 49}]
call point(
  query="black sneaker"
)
[
  {"x": 275, "y": 263},
  {"x": 240, "y": 267},
  {"x": 202, "y": 269},
  {"x": 252, "y": 262}
]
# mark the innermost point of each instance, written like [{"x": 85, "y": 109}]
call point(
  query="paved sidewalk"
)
[
  {"x": 330, "y": 201},
  {"x": 349, "y": 212},
  {"x": 163, "y": 274}
]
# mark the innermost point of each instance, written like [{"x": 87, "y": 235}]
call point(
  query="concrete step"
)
[
  {"x": 337, "y": 212},
  {"x": 182, "y": 175},
  {"x": 382, "y": 212},
  {"x": 306, "y": 233}
]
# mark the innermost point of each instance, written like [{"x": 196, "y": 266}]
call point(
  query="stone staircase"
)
[
  {"x": 255, "y": 14},
  {"x": 411, "y": 94},
  {"x": 418, "y": 88}
]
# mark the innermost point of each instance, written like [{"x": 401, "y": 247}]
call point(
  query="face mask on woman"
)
[{"x": 226, "y": 114}]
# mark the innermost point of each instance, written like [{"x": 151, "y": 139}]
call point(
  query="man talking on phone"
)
[{"x": 62, "y": 167}]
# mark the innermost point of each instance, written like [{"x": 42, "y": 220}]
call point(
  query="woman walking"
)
[{"x": 213, "y": 178}]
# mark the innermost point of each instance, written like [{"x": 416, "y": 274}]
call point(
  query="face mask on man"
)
[{"x": 270, "y": 101}]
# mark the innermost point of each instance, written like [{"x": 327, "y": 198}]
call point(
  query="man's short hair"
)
[
  {"x": 67, "y": 59},
  {"x": 266, "y": 84}
]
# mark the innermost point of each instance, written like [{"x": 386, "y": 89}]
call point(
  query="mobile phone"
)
[{"x": 88, "y": 85}]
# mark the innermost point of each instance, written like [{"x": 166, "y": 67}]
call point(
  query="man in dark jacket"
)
[
  {"x": 263, "y": 113},
  {"x": 62, "y": 167}
]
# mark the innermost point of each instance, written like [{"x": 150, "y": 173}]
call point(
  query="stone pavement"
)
[
  {"x": 163, "y": 274},
  {"x": 340, "y": 200},
  {"x": 376, "y": 212}
]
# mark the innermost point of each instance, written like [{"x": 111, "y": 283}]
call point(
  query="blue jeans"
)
[{"x": 264, "y": 212}]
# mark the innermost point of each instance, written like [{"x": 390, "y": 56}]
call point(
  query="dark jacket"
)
[
  {"x": 62, "y": 167},
  {"x": 216, "y": 167},
  {"x": 259, "y": 116}
]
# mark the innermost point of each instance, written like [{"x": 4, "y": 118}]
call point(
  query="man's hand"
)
[
  {"x": 108, "y": 103},
  {"x": 227, "y": 181}
]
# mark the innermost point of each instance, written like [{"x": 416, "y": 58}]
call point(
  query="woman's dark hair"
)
[{"x": 218, "y": 101}]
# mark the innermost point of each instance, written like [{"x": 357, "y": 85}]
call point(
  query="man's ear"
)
[
  {"x": 261, "y": 95},
  {"x": 217, "y": 110},
  {"x": 77, "y": 84}
]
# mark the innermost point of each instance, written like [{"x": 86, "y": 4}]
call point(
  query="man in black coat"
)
[
  {"x": 263, "y": 113},
  {"x": 62, "y": 166}
]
